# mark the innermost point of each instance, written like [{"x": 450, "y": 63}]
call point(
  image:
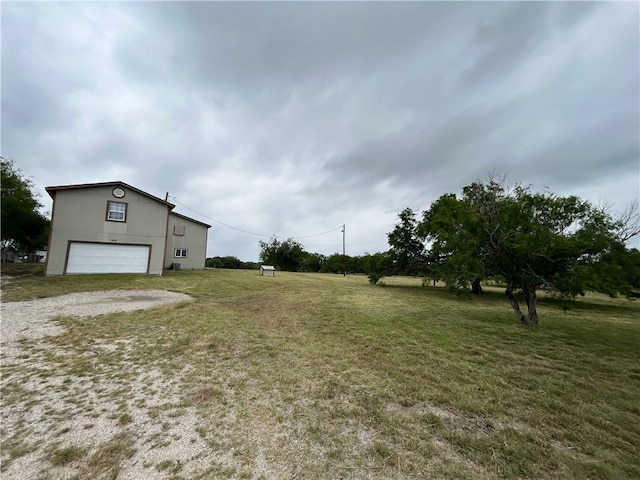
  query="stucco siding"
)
[
  {"x": 191, "y": 236},
  {"x": 81, "y": 215}
]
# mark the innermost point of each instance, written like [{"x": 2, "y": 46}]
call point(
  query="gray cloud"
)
[{"x": 294, "y": 118}]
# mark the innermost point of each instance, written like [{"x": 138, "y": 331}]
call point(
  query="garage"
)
[{"x": 107, "y": 258}]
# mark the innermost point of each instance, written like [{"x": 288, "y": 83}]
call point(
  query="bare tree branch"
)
[{"x": 629, "y": 222}]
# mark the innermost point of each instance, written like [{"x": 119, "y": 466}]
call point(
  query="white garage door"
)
[{"x": 107, "y": 258}]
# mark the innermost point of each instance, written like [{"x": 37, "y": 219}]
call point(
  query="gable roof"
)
[
  {"x": 52, "y": 190},
  {"x": 190, "y": 219},
  {"x": 52, "y": 193}
]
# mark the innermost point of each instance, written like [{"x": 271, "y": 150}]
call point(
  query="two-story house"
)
[{"x": 112, "y": 227}]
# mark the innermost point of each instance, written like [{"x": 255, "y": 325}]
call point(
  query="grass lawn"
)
[{"x": 324, "y": 377}]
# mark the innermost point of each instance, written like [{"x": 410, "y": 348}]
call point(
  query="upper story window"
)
[{"x": 117, "y": 211}]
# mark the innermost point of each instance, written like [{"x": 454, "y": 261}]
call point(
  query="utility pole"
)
[{"x": 344, "y": 256}]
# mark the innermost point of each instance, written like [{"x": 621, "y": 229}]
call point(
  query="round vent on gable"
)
[{"x": 118, "y": 192}]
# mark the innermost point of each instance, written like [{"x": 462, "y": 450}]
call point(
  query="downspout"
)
[
  {"x": 53, "y": 211},
  {"x": 166, "y": 238}
]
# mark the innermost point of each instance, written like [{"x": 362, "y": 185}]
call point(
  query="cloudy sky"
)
[{"x": 292, "y": 119}]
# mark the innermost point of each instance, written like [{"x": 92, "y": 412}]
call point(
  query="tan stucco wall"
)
[
  {"x": 194, "y": 240},
  {"x": 80, "y": 215}
]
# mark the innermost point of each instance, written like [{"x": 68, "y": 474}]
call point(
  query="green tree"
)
[
  {"x": 333, "y": 264},
  {"x": 355, "y": 264},
  {"x": 269, "y": 251},
  {"x": 336, "y": 264},
  {"x": 377, "y": 266},
  {"x": 230, "y": 262},
  {"x": 23, "y": 226},
  {"x": 535, "y": 241},
  {"x": 407, "y": 245},
  {"x": 213, "y": 262},
  {"x": 455, "y": 253},
  {"x": 312, "y": 262},
  {"x": 287, "y": 255}
]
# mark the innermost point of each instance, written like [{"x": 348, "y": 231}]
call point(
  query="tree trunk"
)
[
  {"x": 516, "y": 307},
  {"x": 532, "y": 299},
  {"x": 476, "y": 287}
]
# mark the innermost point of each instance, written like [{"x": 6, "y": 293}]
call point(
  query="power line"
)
[
  {"x": 246, "y": 231},
  {"x": 319, "y": 234},
  {"x": 218, "y": 221}
]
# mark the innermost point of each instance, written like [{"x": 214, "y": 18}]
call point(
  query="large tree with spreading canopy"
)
[
  {"x": 534, "y": 241},
  {"x": 286, "y": 254}
]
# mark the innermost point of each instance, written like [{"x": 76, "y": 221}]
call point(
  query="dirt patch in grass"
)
[{"x": 65, "y": 412}]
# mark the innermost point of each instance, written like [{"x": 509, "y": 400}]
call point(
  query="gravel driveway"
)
[
  {"x": 44, "y": 415},
  {"x": 31, "y": 320}
]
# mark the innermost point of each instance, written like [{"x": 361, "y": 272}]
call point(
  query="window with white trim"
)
[
  {"x": 116, "y": 211},
  {"x": 180, "y": 252}
]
